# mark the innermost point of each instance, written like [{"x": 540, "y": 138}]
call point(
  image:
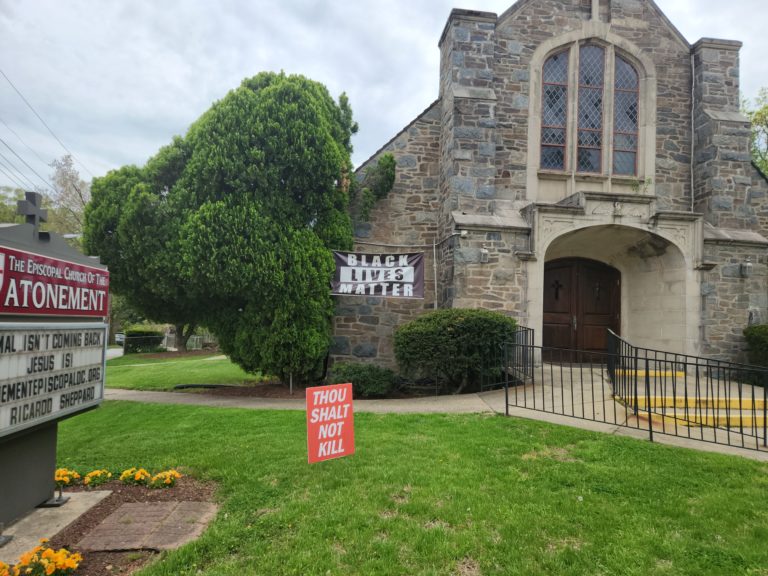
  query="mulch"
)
[{"x": 123, "y": 563}]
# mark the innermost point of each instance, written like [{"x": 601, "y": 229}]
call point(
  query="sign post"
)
[{"x": 330, "y": 422}]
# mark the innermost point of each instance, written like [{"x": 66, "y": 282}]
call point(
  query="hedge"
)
[
  {"x": 143, "y": 341},
  {"x": 457, "y": 347},
  {"x": 757, "y": 341},
  {"x": 368, "y": 380}
]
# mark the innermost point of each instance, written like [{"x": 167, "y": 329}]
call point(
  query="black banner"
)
[{"x": 387, "y": 275}]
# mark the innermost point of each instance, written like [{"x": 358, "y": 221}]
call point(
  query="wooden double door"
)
[{"x": 582, "y": 299}]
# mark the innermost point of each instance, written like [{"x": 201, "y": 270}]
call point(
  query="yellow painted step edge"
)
[
  {"x": 736, "y": 422},
  {"x": 654, "y": 373},
  {"x": 692, "y": 403}
]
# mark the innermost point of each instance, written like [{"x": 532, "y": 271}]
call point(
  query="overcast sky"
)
[{"x": 115, "y": 80}]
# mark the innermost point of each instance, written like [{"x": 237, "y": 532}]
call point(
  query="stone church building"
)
[{"x": 584, "y": 167}]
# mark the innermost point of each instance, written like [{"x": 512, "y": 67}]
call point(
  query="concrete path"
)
[
  {"x": 460, "y": 404},
  {"x": 486, "y": 402},
  {"x": 114, "y": 353}
]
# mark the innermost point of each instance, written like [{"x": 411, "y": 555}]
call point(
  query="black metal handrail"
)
[{"x": 661, "y": 392}]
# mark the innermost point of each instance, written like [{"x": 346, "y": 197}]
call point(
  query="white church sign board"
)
[{"x": 48, "y": 372}]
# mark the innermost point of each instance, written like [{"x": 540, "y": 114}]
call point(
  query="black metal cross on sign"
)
[{"x": 32, "y": 210}]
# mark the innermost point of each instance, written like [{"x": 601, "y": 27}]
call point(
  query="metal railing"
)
[
  {"x": 659, "y": 392},
  {"x": 517, "y": 368}
]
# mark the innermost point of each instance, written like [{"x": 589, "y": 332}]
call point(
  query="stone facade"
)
[
  {"x": 470, "y": 188},
  {"x": 405, "y": 221}
]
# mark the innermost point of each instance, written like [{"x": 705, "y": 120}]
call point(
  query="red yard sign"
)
[{"x": 330, "y": 422}]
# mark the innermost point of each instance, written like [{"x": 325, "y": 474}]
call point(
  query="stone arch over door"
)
[{"x": 659, "y": 291}]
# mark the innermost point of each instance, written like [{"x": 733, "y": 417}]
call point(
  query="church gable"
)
[{"x": 633, "y": 30}]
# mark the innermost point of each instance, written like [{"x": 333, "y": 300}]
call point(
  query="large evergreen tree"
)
[{"x": 231, "y": 225}]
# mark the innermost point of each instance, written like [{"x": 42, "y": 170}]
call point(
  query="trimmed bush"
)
[
  {"x": 142, "y": 341},
  {"x": 757, "y": 341},
  {"x": 368, "y": 380},
  {"x": 457, "y": 347}
]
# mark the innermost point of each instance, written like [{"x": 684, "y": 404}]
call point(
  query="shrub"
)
[
  {"x": 368, "y": 380},
  {"x": 757, "y": 342},
  {"x": 457, "y": 347},
  {"x": 142, "y": 341}
]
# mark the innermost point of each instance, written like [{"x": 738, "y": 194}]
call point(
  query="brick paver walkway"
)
[{"x": 150, "y": 526}]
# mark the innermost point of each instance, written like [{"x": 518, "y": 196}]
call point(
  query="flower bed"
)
[{"x": 43, "y": 561}]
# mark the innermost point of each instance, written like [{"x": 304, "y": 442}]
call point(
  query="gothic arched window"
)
[{"x": 605, "y": 129}]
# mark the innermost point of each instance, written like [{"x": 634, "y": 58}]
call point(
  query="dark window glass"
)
[
  {"x": 552, "y": 157},
  {"x": 626, "y": 118},
  {"x": 591, "y": 86},
  {"x": 556, "y": 69},
  {"x": 554, "y": 111},
  {"x": 624, "y": 162}
]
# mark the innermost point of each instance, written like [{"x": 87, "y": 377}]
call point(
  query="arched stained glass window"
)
[
  {"x": 554, "y": 112},
  {"x": 591, "y": 80},
  {"x": 605, "y": 104},
  {"x": 626, "y": 117}
]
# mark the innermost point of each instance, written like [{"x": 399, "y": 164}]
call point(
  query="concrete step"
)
[
  {"x": 732, "y": 420},
  {"x": 692, "y": 412},
  {"x": 652, "y": 373},
  {"x": 692, "y": 403}
]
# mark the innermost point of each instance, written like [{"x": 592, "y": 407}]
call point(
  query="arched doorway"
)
[{"x": 582, "y": 299}]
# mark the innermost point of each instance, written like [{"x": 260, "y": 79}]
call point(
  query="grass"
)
[
  {"x": 148, "y": 372},
  {"x": 464, "y": 495}
]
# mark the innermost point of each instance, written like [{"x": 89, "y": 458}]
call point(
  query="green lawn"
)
[
  {"x": 438, "y": 495},
  {"x": 141, "y": 372}
]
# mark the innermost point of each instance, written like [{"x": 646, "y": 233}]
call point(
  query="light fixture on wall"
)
[
  {"x": 746, "y": 268},
  {"x": 483, "y": 255}
]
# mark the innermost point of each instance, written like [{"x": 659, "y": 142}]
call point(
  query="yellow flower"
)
[{"x": 64, "y": 477}]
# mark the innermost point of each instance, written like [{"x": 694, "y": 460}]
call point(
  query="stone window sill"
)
[
  {"x": 559, "y": 175},
  {"x": 553, "y": 175}
]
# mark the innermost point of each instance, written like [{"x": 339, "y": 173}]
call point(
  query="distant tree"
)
[
  {"x": 759, "y": 118},
  {"x": 231, "y": 225},
  {"x": 68, "y": 199},
  {"x": 9, "y": 198},
  {"x": 122, "y": 314}
]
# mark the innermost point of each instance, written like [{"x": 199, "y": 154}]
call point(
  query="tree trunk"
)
[{"x": 182, "y": 336}]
